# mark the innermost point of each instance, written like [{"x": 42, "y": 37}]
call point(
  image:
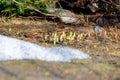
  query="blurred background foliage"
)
[{"x": 10, "y": 9}]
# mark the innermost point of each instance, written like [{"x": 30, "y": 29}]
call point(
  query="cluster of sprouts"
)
[{"x": 64, "y": 37}]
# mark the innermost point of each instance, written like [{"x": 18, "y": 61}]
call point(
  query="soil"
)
[{"x": 104, "y": 48}]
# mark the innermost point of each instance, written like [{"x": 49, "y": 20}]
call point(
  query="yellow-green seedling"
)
[
  {"x": 71, "y": 36},
  {"x": 46, "y": 37},
  {"x": 62, "y": 37},
  {"x": 80, "y": 36},
  {"x": 55, "y": 38}
]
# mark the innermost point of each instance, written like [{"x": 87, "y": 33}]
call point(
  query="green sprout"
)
[
  {"x": 54, "y": 38},
  {"x": 71, "y": 36},
  {"x": 62, "y": 36},
  {"x": 46, "y": 37},
  {"x": 80, "y": 36}
]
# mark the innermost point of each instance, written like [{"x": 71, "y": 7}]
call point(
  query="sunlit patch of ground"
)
[{"x": 103, "y": 47}]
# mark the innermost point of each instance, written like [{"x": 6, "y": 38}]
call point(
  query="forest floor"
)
[{"x": 104, "y": 48}]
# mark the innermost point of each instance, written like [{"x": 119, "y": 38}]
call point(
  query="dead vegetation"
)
[
  {"x": 104, "y": 47},
  {"x": 50, "y": 33}
]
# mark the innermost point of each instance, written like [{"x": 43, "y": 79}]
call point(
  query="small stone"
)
[{"x": 97, "y": 29}]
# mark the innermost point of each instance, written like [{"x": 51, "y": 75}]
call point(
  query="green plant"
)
[{"x": 10, "y": 8}]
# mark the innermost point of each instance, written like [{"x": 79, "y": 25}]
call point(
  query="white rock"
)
[
  {"x": 14, "y": 49},
  {"x": 65, "y": 16}
]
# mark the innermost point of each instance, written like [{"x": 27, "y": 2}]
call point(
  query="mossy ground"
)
[{"x": 104, "y": 49}]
